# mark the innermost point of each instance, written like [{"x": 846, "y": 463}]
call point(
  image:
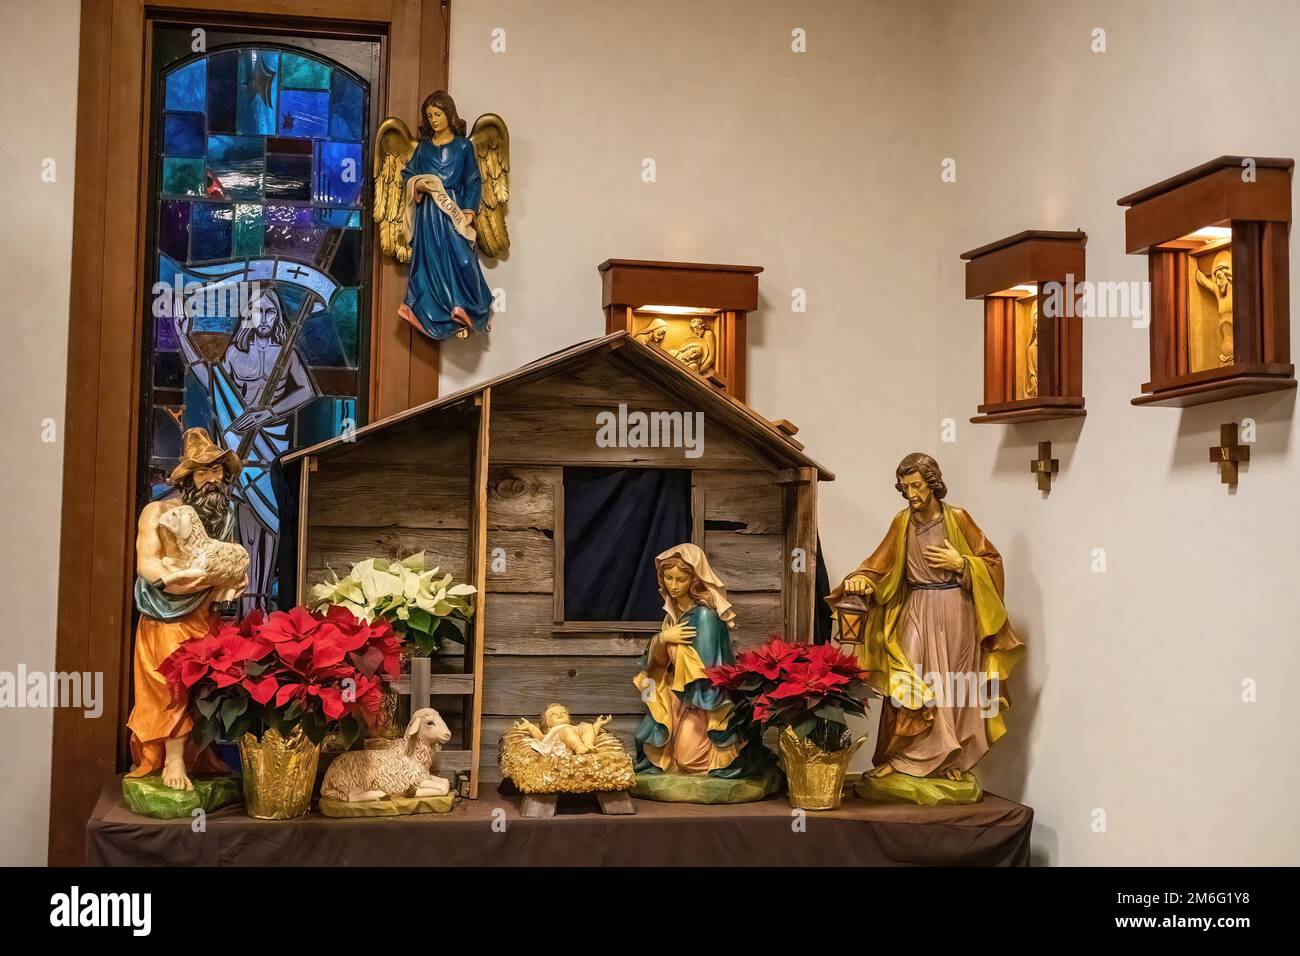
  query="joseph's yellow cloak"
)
[{"x": 891, "y": 672}]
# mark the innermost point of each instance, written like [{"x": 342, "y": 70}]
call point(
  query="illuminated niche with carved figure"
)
[
  {"x": 1033, "y": 331},
  {"x": 1216, "y": 242},
  {"x": 691, "y": 311}
]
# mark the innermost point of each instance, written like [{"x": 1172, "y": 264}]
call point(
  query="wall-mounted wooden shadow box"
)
[
  {"x": 1033, "y": 338},
  {"x": 693, "y": 312},
  {"x": 1215, "y": 238}
]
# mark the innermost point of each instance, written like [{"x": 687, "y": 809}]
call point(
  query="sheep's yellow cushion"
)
[{"x": 396, "y": 807}]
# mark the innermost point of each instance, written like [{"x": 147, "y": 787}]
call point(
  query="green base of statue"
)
[
  {"x": 701, "y": 788},
  {"x": 150, "y": 797},
  {"x": 394, "y": 807},
  {"x": 928, "y": 791}
]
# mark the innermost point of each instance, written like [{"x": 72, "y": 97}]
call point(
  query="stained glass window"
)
[{"x": 259, "y": 308}]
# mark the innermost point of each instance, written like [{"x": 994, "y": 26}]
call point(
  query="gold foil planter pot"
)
[
  {"x": 394, "y": 714},
  {"x": 394, "y": 708},
  {"x": 814, "y": 777},
  {"x": 279, "y": 774}
]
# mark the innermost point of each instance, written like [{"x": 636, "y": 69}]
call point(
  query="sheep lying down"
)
[{"x": 402, "y": 770}]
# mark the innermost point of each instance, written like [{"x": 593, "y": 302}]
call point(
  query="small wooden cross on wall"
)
[
  {"x": 1229, "y": 453},
  {"x": 1044, "y": 466}
]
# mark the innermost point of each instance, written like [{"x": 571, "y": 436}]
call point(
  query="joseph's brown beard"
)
[{"x": 210, "y": 503}]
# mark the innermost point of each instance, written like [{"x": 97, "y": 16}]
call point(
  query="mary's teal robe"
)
[{"x": 670, "y": 689}]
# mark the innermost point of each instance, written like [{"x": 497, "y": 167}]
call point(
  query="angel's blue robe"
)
[{"x": 445, "y": 270}]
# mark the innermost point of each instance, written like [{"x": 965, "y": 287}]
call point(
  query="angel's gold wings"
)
[
  {"x": 394, "y": 146},
  {"x": 491, "y": 141}
]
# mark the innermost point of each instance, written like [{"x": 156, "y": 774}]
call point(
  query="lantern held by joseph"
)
[
  {"x": 437, "y": 196},
  {"x": 851, "y": 613}
]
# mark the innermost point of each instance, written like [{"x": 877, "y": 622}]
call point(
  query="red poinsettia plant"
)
[
  {"x": 323, "y": 672},
  {"x": 810, "y": 688}
]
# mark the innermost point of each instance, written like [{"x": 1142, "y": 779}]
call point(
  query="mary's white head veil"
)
[{"x": 698, "y": 561}]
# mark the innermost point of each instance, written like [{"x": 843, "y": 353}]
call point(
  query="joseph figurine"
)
[
  {"x": 937, "y": 644},
  {"x": 175, "y": 590}
]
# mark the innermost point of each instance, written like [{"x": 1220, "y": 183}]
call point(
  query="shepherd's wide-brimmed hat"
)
[{"x": 198, "y": 450}]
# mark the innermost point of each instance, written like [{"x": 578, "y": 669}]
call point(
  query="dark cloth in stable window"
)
[{"x": 615, "y": 522}]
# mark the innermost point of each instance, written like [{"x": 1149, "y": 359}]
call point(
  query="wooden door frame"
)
[{"x": 101, "y": 422}]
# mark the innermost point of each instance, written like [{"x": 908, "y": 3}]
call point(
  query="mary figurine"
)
[
  {"x": 433, "y": 206},
  {"x": 686, "y": 729}
]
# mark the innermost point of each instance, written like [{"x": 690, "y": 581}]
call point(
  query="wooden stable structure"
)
[{"x": 476, "y": 479}]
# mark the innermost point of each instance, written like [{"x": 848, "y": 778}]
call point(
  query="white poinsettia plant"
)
[{"x": 419, "y": 602}]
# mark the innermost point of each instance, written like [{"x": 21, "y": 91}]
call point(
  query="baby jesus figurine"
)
[{"x": 561, "y": 736}]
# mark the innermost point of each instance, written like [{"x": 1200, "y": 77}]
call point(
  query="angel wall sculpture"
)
[{"x": 436, "y": 197}]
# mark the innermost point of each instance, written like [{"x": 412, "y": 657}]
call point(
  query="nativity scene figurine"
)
[
  {"x": 688, "y": 736},
  {"x": 188, "y": 560},
  {"x": 394, "y": 778},
  {"x": 561, "y": 758},
  {"x": 559, "y": 735},
  {"x": 439, "y": 196},
  {"x": 937, "y": 643}
]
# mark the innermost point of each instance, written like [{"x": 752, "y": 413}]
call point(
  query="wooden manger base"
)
[
  {"x": 540, "y": 806},
  {"x": 994, "y": 832}
]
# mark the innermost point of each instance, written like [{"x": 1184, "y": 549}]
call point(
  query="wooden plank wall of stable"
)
[{"x": 408, "y": 488}]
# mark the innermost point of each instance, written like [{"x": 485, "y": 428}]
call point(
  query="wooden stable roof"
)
[{"x": 672, "y": 376}]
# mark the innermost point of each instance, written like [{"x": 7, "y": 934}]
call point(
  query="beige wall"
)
[
  {"x": 824, "y": 168},
  {"x": 815, "y": 166},
  {"x": 37, "y": 122},
  {"x": 1131, "y": 701}
]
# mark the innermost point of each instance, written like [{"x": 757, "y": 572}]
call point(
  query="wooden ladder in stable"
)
[
  {"x": 423, "y": 684},
  {"x": 460, "y": 766}
]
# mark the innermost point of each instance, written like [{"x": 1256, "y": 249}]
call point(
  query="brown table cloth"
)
[{"x": 992, "y": 833}]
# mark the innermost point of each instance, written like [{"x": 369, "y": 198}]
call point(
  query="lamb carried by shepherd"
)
[{"x": 187, "y": 545}]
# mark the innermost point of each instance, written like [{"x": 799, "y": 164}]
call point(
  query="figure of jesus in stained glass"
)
[{"x": 252, "y": 375}]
